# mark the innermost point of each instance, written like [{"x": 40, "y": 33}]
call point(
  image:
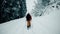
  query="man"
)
[{"x": 28, "y": 18}]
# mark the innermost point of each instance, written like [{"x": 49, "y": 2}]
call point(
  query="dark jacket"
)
[{"x": 28, "y": 17}]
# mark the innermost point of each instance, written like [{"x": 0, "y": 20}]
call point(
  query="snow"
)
[
  {"x": 47, "y": 24},
  {"x": 30, "y": 5}
]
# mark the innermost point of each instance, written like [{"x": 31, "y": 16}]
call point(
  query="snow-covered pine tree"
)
[{"x": 39, "y": 7}]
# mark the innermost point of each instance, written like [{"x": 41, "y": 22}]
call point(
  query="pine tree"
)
[{"x": 12, "y": 9}]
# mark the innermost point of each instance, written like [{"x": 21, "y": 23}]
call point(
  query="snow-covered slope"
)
[{"x": 48, "y": 24}]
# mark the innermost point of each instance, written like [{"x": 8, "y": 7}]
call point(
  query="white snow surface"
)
[{"x": 48, "y": 24}]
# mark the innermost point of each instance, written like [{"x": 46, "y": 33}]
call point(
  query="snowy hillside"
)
[{"x": 48, "y": 24}]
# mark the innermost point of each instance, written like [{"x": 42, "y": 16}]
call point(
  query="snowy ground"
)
[{"x": 47, "y": 24}]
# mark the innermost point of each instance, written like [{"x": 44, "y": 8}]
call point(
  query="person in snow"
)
[{"x": 28, "y": 19}]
